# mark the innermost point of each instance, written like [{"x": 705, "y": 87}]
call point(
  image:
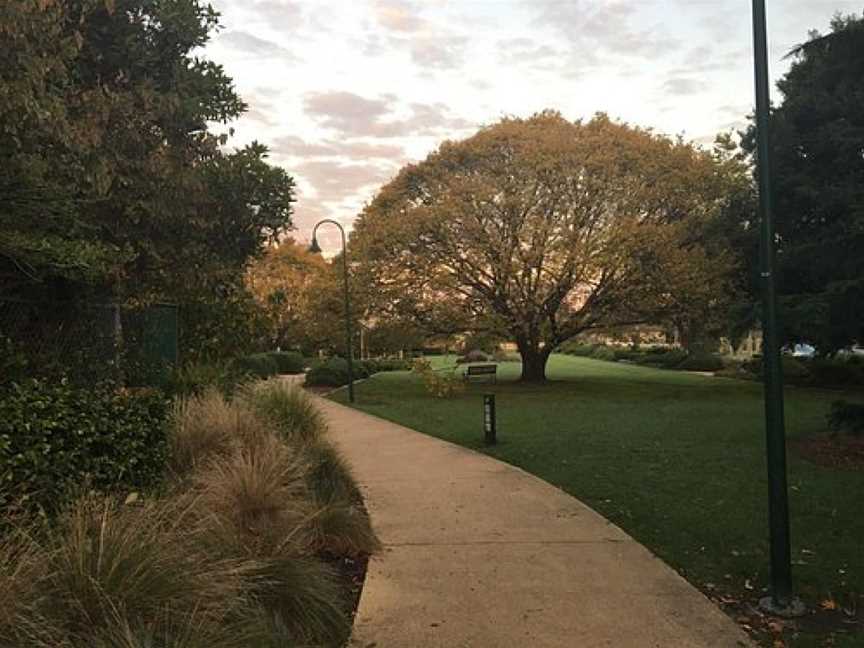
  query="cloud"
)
[
  {"x": 441, "y": 53},
  {"x": 399, "y": 16},
  {"x": 594, "y": 31},
  {"x": 525, "y": 51},
  {"x": 336, "y": 181},
  {"x": 355, "y": 116},
  {"x": 293, "y": 146},
  {"x": 284, "y": 13},
  {"x": 431, "y": 46},
  {"x": 684, "y": 86},
  {"x": 255, "y": 47}
]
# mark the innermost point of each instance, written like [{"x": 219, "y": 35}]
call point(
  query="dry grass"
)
[
  {"x": 228, "y": 558},
  {"x": 287, "y": 407}
]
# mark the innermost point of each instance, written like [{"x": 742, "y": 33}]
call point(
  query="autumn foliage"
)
[{"x": 543, "y": 228}]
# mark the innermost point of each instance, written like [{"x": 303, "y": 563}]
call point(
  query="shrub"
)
[
  {"x": 575, "y": 348},
  {"x": 286, "y": 407},
  {"x": 602, "y": 352},
  {"x": 663, "y": 358},
  {"x": 473, "y": 356},
  {"x": 795, "y": 372},
  {"x": 195, "y": 378},
  {"x": 835, "y": 372},
  {"x": 340, "y": 526},
  {"x": 440, "y": 385},
  {"x": 206, "y": 427},
  {"x": 106, "y": 573},
  {"x": 738, "y": 373},
  {"x": 288, "y": 362},
  {"x": 330, "y": 373},
  {"x": 55, "y": 436},
  {"x": 701, "y": 361},
  {"x": 847, "y": 417},
  {"x": 381, "y": 365},
  {"x": 258, "y": 365}
]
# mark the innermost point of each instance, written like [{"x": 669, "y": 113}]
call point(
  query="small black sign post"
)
[{"x": 489, "y": 431}]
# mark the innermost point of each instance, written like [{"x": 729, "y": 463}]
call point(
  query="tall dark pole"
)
[
  {"x": 348, "y": 335},
  {"x": 781, "y": 600}
]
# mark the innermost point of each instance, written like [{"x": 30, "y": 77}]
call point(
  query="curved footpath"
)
[{"x": 480, "y": 554}]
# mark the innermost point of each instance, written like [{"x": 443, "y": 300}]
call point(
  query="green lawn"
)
[{"x": 675, "y": 459}]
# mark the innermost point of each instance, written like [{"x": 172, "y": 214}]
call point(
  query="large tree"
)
[
  {"x": 109, "y": 176},
  {"x": 817, "y": 135},
  {"x": 543, "y": 229}
]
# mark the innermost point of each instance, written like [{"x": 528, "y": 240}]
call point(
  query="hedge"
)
[
  {"x": 288, "y": 362},
  {"x": 259, "y": 365},
  {"x": 55, "y": 437}
]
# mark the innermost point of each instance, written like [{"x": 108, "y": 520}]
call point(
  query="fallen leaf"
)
[
  {"x": 748, "y": 585},
  {"x": 828, "y": 604}
]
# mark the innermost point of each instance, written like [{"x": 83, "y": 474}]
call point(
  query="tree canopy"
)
[
  {"x": 111, "y": 180},
  {"x": 817, "y": 135},
  {"x": 543, "y": 228}
]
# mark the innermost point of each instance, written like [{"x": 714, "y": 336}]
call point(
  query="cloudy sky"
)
[{"x": 345, "y": 92}]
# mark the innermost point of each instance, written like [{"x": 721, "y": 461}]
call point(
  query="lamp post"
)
[
  {"x": 315, "y": 248},
  {"x": 781, "y": 601}
]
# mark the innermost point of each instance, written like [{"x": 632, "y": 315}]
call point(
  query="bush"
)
[
  {"x": 54, "y": 437},
  {"x": 575, "y": 348},
  {"x": 847, "y": 417},
  {"x": 701, "y": 361},
  {"x": 381, "y": 365},
  {"x": 795, "y": 372},
  {"x": 195, "y": 378},
  {"x": 835, "y": 372},
  {"x": 286, "y": 407},
  {"x": 207, "y": 427},
  {"x": 602, "y": 352},
  {"x": 330, "y": 373},
  {"x": 237, "y": 554},
  {"x": 258, "y": 365},
  {"x": 288, "y": 362},
  {"x": 663, "y": 358},
  {"x": 473, "y": 356},
  {"x": 340, "y": 526}
]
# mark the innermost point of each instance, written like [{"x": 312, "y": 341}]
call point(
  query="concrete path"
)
[{"x": 480, "y": 554}]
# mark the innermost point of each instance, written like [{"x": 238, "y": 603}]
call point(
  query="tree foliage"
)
[
  {"x": 110, "y": 177},
  {"x": 817, "y": 135},
  {"x": 542, "y": 229}
]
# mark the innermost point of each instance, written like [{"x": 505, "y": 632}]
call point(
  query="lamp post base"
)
[{"x": 787, "y": 609}]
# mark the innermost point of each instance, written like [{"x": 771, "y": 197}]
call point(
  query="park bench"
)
[{"x": 475, "y": 370}]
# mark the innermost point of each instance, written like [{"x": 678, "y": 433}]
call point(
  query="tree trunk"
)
[{"x": 533, "y": 362}]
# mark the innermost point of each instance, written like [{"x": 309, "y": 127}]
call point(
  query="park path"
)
[{"x": 480, "y": 554}]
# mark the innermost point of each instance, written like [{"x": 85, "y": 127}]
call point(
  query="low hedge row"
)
[
  {"x": 333, "y": 372},
  {"x": 55, "y": 438}
]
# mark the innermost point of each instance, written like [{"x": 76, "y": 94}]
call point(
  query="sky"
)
[{"x": 346, "y": 92}]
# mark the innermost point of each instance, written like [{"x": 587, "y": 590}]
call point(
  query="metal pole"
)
[
  {"x": 348, "y": 335},
  {"x": 349, "y": 338},
  {"x": 781, "y": 600}
]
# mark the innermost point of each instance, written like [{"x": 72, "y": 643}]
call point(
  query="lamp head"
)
[{"x": 314, "y": 248}]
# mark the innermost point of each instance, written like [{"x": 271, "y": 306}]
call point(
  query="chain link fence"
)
[{"x": 85, "y": 341}]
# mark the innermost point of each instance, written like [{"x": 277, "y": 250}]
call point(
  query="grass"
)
[
  {"x": 239, "y": 548},
  {"x": 676, "y": 459}
]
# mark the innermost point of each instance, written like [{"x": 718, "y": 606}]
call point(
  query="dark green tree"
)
[{"x": 818, "y": 140}]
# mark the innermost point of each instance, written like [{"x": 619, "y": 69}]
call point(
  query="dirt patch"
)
[
  {"x": 828, "y": 622},
  {"x": 832, "y": 451}
]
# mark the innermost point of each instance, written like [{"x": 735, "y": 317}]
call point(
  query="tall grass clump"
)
[
  {"x": 286, "y": 407},
  {"x": 239, "y": 549}
]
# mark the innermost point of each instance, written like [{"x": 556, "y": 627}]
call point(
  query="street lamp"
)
[
  {"x": 781, "y": 601},
  {"x": 315, "y": 248}
]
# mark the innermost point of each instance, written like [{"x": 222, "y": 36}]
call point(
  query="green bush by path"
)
[
  {"x": 257, "y": 365},
  {"x": 235, "y": 551},
  {"x": 332, "y": 372},
  {"x": 700, "y": 362},
  {"x": 676, "y": 459},
  {"x": 54, "y": 437},
  {"x": 288, "y": 362}
]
